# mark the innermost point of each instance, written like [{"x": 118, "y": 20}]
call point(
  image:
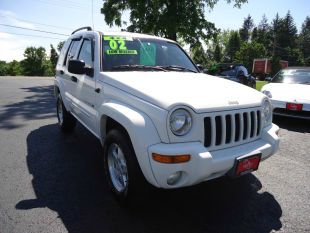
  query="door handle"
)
[
  {"x": 73, "y": 79},
  {"x": 98, "y": 90}
]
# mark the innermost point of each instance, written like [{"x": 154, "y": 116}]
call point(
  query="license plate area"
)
[
  {"x": 246, "y": 164},
  {"x": 294, "y": 107}
]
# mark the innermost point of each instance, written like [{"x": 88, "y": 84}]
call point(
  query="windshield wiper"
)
[
  {"x": 175, "y": 67},
  {"x": 137, "y": 67}
]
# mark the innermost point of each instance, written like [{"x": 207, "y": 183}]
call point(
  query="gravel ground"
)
[{"x": 51, "y": 182}]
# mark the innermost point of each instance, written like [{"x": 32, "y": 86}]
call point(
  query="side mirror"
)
[
  {"x": 268, "y": 79},
  {"x": 200, "y": 67},
  {"x": 76, "y": 67}
]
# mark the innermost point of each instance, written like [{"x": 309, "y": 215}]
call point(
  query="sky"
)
[{"x": 61, "y": 17}]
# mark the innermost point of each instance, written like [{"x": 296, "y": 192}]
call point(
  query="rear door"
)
[{"x": 86, "y": 85}]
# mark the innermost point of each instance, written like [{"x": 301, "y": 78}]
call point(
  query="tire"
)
[
  {"x": 66, "y": 121},
  {"x": 124, "y": 176}
]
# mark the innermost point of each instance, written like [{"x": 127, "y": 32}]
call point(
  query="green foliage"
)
[
  {"x": 245, "y": 31},
  {"x": 33, "y": 64},
  {"x": 275, "y": 61},
  {"x": 167, "y": 18},
  {"x": 293, "y": 56},
  {"x": 198, "y": 54},
  {"x": 60, "y": 45},
  {"x": 248, "y": 52},
  {"x": 3, "y": 68},
  {"x": 218, "y": 53},
  {"x": 305, "y": 39},
  {"x": 49, "y": 69},
  {"x": 233, "y": 46},
  {"x": 53, "y": 57},
  {"x": 14, "y": 68}
]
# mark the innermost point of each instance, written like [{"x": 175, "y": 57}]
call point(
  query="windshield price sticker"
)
[
  {"x": 121, "y": 52},
  {"x": 117, "y": 45}
]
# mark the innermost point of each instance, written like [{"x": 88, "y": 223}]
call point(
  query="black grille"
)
[{"x": 239, "y": 127}]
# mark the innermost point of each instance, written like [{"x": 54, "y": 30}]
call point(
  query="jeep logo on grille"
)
[{"x": 233, "y": 102}]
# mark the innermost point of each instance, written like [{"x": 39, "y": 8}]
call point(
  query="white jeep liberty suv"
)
[{"x": 157, "y": 116}]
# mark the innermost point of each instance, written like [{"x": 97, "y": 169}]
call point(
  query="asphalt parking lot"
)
[{"x": 51, "y": 182}]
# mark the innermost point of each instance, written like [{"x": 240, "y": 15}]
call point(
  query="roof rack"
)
[{"x": 82, "y": 28}]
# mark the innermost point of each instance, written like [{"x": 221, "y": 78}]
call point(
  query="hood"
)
[
  {"x": 289, "y": 92},
  {"x": 199, "y": 91}
]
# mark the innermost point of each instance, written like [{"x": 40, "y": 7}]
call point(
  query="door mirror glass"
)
[{"x": 76, "y": 67}]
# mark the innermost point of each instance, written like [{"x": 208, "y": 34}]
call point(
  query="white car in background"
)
[{"x": 289, "y": 92}]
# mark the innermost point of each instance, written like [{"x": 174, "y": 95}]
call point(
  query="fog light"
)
[{"x": 174, "y": 178}]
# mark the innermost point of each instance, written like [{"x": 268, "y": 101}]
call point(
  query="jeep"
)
[{"x": 159, "y": 119}]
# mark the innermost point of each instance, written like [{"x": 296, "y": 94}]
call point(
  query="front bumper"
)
[
  {"x": 206, "y": 165},
  {"x": 279, "y": 108}
]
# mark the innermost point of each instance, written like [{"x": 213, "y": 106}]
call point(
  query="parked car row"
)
[{"x": 234, "y": 72}]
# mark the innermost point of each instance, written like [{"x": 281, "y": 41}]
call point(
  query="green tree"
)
[
  {"x": 233, "y": 46},
  {"x": 168, "y": 18},
  {"x": 53, "y": 56},
  {"x": 305, "y": 40},
  {"x": 3, "y": 68},
  {"x": 198, "y": 54},
  {"x": 263, "y": 32},
  {"x": 248, "y": 52},
  {"x": 33, "y": 64},
  {"x": 49, "y": 69},
  {"x": 255, "y": 34},
  {"x": 275, "y": 31},
  {"x": 245, "y": 31},
  {"x": 293, "y": 56},
  {"x": 287, "y": 32},
  {"x": 218, "y": 53},
  {"x": 14, "y": 68},
  {"x": 60, "y": 45},
  {"x": 275, "y": 67}
]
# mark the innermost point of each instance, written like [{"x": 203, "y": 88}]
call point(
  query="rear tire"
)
[
  {"x": 66, "y": 121},
  {"x": 125, "y": 178}
]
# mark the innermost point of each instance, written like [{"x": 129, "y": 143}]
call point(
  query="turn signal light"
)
[{"x": 171, "y": 158}]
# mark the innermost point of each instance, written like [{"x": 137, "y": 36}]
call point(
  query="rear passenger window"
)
[
  {"x": 86, "y": 53},
  {"x": 72, "y": 50}
]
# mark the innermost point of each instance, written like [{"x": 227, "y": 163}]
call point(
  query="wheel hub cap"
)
[{"x": 117, "y": 167}]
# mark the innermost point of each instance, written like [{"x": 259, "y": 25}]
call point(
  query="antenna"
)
[{"x": 92, "y": 13}]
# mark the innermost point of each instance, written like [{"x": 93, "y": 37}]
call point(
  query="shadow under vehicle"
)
[{"x": 68, "y": 179}]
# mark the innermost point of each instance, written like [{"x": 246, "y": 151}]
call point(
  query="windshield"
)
[
  {"x": 292, "y": 76},
  {"x": 127, "y": 53}
]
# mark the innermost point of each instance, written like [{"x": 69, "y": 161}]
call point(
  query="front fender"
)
[{"x": 140, "y": 129}]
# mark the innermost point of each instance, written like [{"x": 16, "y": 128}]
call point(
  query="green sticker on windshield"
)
[
  {"x": 121, "y": 52},
  {"x": 148, "y": 54},
  {"x": 117, "y": 45}
]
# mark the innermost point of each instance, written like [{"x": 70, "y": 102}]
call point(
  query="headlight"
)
[
  {"x": 267, "y": 112},
  {"x": 267, "y": 93},
  {"x": 180, "y": 122}
]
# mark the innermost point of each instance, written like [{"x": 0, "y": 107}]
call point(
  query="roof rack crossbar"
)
[{"x": 82, "y": 28}]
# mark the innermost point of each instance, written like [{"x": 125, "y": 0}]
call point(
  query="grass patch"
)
[{"x": 260, "y": 84}]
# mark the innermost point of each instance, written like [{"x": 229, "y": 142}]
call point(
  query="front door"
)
[{"x": 85, "y": 88}]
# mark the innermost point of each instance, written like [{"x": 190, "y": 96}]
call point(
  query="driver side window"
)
[{"x": 86, "y": 53}]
